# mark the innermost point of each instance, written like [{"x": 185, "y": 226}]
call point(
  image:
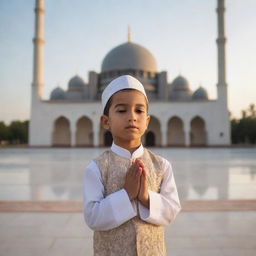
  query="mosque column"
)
[
  {"x": 222, "y": 88},
  {"x": 96, "y": 134},
  {"x": 221, "y": 42},
  {"x": 187, "y": 133},
  {"x": 164, "y": 132},
  {"x": 73, "y": 133},
  {"x": 38, "y": 62},
  {"x": 37, "y": 75}
]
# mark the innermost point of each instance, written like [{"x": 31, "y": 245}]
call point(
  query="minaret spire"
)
[
  {"x": 129, "y": 34},
  {"x": 38, "y": 65},
  {"x": 221, "y": 42}
]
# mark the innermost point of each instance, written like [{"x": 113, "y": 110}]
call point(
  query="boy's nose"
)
[{"x": 132, "y": 117}]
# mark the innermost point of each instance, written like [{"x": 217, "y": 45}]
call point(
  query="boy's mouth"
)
[{"x": 131, "y": 127}]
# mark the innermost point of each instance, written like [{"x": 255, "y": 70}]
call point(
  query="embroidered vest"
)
[{"x": 134, "y": 237}]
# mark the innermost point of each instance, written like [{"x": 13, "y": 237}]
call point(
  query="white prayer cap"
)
[{"x": 121, "y": 83}]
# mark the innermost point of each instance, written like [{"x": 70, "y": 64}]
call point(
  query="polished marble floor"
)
[
  {"x": 191, "y": 234},
  {"x": 57, "y": 174}
]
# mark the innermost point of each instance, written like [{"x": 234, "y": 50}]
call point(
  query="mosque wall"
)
[
  {"x": 172, "y": 124},
  {"x": 42, "y": 126},
  {"x": 215, "y": 118}
]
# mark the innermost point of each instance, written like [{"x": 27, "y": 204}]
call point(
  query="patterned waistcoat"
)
[{"x": 135, "y": 237}]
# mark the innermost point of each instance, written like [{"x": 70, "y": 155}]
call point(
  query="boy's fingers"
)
[
  {"x": 131, "y": 169},
  {"x": 136, "y": 167},
  {"x": 140, "y": 162},
  {"x": 139, "y": 171},
  {"x": 145, "y": 172},
  {"x": 134, "y": 170}
]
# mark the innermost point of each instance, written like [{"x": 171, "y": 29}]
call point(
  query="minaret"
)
[
  {"x": 222, "y": 91},
  {"x": 38, "y": 65},
  {"x": 221, "y": 41}
]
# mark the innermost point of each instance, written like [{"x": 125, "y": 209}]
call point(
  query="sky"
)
[{"x": 181, "y": 35}]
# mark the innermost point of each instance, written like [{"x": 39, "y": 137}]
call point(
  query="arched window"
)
[
  {"x": 198, "y": 136},
  {"x": 150, "y": 139},
  {"x": 176, "y": 135},
  {"x": 108, "y": 139},
  {"x": 154, "y": 127},
  {"x": 61, "y": 136},
  {"x": 84, "y": 132}
]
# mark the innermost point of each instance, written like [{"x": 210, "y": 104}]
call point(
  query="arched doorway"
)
[
  {"x": 108, "y": 139},
  {"x": 198, "y": 136},
  {"x": 105, "y": 137},
  {"x": 153, "y": 133},
  {"x": 61, "y": 136},
  {"x": 176, "y": 135},
  {"x": 150, "y": 140},
  {"x": 84, "y": 132}
]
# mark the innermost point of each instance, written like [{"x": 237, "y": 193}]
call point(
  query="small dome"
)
[
  {"x": 57, "y": 94},
  {"x": 200, "y": 94},
  {"x": 76, "y": 83},
  {"x": 129, "y": 56},
  {"x": 180, "y": 83},
  {"x": 180, "y": 89}
]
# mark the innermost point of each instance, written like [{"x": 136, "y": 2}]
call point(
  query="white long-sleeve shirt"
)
[{"x": 105, "y": 213}]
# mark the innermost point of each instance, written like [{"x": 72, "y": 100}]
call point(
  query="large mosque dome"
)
[{"x": 129, "y": 56}]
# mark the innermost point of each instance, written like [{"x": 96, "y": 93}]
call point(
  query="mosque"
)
[{"x": 179, "y": 116}]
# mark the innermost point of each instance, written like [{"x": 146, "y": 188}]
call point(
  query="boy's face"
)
[{"x": 128, "y": 118}]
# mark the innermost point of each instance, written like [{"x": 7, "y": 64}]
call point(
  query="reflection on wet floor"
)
[{"x": 57, "y": 174}]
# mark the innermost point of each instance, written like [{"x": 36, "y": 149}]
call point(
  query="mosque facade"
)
[{"x": 179, "y": 116}]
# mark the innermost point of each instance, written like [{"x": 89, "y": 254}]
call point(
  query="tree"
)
[
  {"x": 4, "y": 133},
  {"x": 15, "y": 133},
  {"x": 244, "y": 130},
  {"x": 252, "y": 111},
  {"x": 18, "y": 132}
]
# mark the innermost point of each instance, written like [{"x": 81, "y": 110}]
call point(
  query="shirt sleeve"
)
[
  {"x": 163, "y": 206},
  {"x": 104, "y": 213}
]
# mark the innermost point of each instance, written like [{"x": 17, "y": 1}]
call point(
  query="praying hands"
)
[{"x": 136, "y": 184}]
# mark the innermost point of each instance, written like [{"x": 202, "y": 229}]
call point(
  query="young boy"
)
[{"x": 129, "y": 192}]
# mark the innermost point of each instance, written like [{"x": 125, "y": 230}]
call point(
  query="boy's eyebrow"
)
[
  {"x": 123, "y": 105},
  {"x": 140, "y": 105},
  {"x": 120, "y": 105}
]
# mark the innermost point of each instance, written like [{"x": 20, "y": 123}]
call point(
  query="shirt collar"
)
[{"x": 126, "y": 153}]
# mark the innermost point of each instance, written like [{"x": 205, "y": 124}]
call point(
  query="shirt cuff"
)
[
  {"x": 145, "y": 213},
  {"x": 122, "y": 207}
]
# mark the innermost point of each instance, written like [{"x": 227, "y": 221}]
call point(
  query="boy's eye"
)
[
  {"x": 121, "y": 111},
  {"x": 139, "y": 111}
]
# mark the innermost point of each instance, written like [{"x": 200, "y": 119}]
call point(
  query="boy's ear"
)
[
  {"x": 148, "y": 120},
  {"x": 104, "y": 122}
]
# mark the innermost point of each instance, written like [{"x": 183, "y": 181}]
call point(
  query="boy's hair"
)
[
  {"x": 109, "y": 102},
  {"x": 107, "y": 107}
]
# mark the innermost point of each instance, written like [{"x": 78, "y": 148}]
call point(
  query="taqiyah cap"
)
[{"x": 121, "y": 83}]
